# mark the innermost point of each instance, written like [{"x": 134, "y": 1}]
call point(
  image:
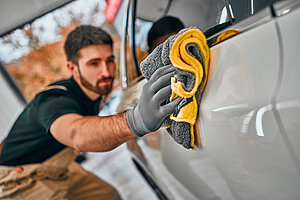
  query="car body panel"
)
[
  {"x": 241, "y": 141},
  {"x": 288, "y": 98},
  {"x": 248, "y": 118},
  {"x": 10, "y": 107},
  {"x": 237, "y": 123}
]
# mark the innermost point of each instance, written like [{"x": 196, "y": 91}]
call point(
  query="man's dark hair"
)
[
  {"x": 83, "y": 36},
  {"x": 163, "y": 26}
]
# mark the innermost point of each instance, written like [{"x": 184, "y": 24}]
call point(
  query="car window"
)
[
  {"x": 138, "y": 44},
  {"x": 210, "y": 16},
  {"x": 244, "y": 8}
]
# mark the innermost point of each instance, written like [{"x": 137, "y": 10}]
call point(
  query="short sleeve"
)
[{"x": 51, "y": 105}]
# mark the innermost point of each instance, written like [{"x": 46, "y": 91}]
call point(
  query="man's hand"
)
[{"x": 150, "y": 112}]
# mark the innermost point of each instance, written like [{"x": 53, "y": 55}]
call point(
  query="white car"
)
[{"x": 249, "y": 116}]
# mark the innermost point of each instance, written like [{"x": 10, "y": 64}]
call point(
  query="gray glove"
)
[{"x": 151, "y": 110}]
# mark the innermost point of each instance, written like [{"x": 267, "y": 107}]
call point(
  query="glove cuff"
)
[{"x": 136, "y": 123}]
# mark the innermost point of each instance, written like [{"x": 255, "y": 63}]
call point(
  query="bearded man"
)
[{"x": 37, "y": 158}]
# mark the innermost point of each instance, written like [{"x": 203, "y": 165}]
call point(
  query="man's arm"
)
[
  {"x": 91, "y": 133},
  {"x": 95, "y": 133}
]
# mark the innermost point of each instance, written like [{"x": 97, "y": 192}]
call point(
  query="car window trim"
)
[{"x": 133, "y": 49}]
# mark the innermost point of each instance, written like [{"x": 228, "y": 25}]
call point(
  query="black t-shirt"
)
[{"x": 29, "y": 140}]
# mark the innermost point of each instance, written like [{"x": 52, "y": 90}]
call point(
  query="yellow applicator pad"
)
[
  {"x": 226, "y": 35},
  {"x": 181, "y": 59}
]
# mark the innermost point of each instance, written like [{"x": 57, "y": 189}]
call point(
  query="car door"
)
[
  {"x": 238, "y": 122},
  {"x": 248, "y": 145},
  {"x": 287, "y": 100}
]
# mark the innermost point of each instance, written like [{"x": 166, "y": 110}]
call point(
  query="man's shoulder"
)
[
  {"x": 60, "y": 87},
  {"x": 54, "y": 91},
  {"x": 63, "y": 82},
  {"x": 61, "y": 92}
]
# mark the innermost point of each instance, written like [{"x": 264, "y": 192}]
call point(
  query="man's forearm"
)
[
  {"x": 92, "y": 133},
  {"x": 102, "y": 133}
]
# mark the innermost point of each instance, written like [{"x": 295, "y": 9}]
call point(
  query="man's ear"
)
[
  {"x": 73, "y": 69},
  {"x": 71, "y": 66}
]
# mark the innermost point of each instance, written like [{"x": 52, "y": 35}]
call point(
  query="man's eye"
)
[
  {"x": 94, "y": 63},
  {"x": 110, "y": 61}
]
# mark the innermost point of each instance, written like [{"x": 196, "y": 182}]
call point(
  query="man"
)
[{"x": 65, "y": 115}]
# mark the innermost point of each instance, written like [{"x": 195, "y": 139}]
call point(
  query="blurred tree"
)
[{"x": 43, "y": 65}]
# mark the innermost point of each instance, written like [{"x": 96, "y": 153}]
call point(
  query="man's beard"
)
[{"x": 102, "y": 90}]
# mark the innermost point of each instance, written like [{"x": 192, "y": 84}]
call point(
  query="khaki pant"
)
[{"x": 59, "y": 177}]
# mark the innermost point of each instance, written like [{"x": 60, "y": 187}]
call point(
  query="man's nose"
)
[{"x": 105, "y": 70}]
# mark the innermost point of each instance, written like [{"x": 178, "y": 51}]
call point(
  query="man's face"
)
[{"x": 96, "y": 68}]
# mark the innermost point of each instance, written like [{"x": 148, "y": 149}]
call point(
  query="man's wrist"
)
[{"x": 136, "y": 123}]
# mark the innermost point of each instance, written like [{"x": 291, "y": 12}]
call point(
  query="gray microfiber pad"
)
[{"x": 180, "y": 131}]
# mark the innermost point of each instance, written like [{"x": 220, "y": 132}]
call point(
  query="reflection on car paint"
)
[
  {"x": 259, "y": 118},
  {"x": 236, "y": 106},
  {"x": 246, "y": 121}
]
